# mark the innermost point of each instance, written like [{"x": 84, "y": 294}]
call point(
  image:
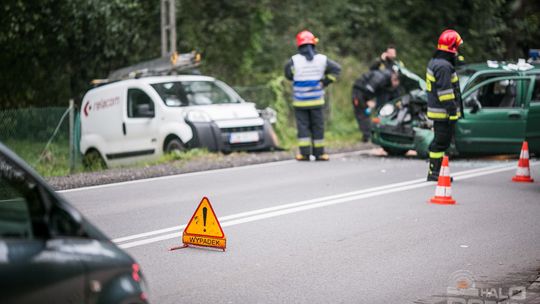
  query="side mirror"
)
[
  {"x": 144, "y": 110},
  {"x": 474, "y": 104}
]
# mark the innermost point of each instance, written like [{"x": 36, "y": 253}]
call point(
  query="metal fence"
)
[{"x": 44, "y": 137}]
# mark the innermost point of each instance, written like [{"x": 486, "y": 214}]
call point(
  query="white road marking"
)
[
  {"x": 255, "y": 215},
  {"x": 290, "y": 205},
  {"x": 223, "y": 170}
]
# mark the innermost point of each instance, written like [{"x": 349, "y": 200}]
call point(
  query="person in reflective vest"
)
[
  {"x": 310, "y": 73},
  {"x": 444, "y": 98}
]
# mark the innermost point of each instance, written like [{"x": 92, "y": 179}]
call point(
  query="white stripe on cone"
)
[
  {"x": 443, "y": 191},
  {"x": 523, "y": 171},
  {"x": 445, "y": 171}
]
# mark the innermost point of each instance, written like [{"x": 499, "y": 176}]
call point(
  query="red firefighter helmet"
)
[
  {"x": 449, "y": 41},
  {"x": 306, "y": 37}
]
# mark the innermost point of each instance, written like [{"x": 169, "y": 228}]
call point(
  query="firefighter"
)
[
  {"x": 365, "y": 89},
  {"x": 444, "y": 98},
  {"x": 311, "y": 73}
]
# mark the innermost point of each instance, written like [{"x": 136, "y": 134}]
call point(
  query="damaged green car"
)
[{"x": 501, "y": 109}]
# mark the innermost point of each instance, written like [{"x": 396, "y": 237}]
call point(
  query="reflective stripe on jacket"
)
[
  {"x": 443, "y": 90},
  {"x": 308, "y": 88}
]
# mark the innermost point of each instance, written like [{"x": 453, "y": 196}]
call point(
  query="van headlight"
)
[
  {"x": 387, "y": 110},
  {"x": 198, "y": 116},
  {"x": 268, "y": 114}
]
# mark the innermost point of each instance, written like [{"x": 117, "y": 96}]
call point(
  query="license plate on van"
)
[{"x": 243, "y": 137}]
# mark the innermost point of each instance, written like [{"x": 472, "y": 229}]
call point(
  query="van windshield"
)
[{"x": 192, "y": 93}]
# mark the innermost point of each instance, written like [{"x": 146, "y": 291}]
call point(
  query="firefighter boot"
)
[
  {"x": 434, "y": 169},
  {"x": 322, "y": 157},
  {"x": 302, "y": 157},
  {"x": 304, "y": 154}
]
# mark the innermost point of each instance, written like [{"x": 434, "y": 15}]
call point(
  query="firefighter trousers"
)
[
  {"x": 364, "y": 123},
  {"x": 443, "y": 136},
  {"x": 310, "y": 130}
]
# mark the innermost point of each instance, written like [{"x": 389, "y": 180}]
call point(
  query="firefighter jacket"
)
[{"x": 444, "y": 95}]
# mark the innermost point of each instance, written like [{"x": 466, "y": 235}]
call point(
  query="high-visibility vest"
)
[{"x": 308, "y": 89}]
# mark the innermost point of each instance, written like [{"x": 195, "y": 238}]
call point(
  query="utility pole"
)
[{"x": 168, "y": 27}]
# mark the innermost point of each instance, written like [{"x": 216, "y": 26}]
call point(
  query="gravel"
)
[{"x": 208, "y": 162}]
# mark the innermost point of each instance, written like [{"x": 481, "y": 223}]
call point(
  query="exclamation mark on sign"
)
[{"x": 204, "y": 211}]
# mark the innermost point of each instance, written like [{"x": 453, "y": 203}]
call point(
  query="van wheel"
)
[
  {"x": 174, "y": 145},
  {"x": 93, "y": 161}
]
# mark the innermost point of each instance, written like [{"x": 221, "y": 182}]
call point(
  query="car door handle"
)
[
  {"x": 124, "y": 128},
  {"x": 514, "y": 115}
]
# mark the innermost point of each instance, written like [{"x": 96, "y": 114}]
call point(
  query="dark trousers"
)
[
  {"x": 310, "y": 127},
  {"x": 364, "y": 123},
  {"x": 444, "y": 133},
  {"x": 359, "y": 104}
]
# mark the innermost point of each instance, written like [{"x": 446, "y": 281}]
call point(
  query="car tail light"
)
[{"x": 136, "y": 272}]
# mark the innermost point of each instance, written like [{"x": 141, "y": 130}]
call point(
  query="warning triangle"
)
[
  {"x": 204, "y": 229},
  {"x": 204, "y": 221}
]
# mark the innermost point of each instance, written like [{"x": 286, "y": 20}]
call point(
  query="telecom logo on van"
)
[{"x": 101, "y": 105}]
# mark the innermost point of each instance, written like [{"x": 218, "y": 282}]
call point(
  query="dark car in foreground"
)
[
  {"x": 49, "y": 253},
  {"x": 501, "y": 109}
]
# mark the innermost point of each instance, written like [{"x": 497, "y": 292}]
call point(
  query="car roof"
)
[
  {"x": 151, "y": 80},
  {"x": 499, "y": 67}
]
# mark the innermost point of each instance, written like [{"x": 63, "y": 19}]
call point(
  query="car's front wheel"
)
[
  {"x": 174, "y": 145},
  {"x": 394, "y": 151},
  {"x": 92, "y": 161}
]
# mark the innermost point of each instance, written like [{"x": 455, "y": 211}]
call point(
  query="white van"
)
[{"x": 136, "y": 119}]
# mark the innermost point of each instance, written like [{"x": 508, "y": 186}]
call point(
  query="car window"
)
[
  {"x": 192, "y": 93},
  {"x": 22, "y": 214},
  {"x": 481, "y": 78},
  {"x": 172, "y": 93},
  {"x": 536, "y": 90},
  {"x": 498, "y": 94},
  {"x": 138, "y": 103}
]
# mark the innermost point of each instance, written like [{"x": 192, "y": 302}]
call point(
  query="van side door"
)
[{"x": 139, "y": 126}]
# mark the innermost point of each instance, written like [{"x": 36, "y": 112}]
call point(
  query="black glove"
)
[{"x": 326, "y": 81}]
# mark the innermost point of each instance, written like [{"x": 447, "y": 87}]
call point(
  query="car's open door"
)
[{"x": 495, "y": 116}]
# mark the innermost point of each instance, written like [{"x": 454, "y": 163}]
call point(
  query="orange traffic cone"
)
[
  {"x": 443, "y": 192},
  {"x": 523, "y": 173}
]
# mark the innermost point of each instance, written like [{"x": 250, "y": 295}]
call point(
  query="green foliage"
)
[
  {"x": 285, "y": 124},
  {"x": 341, "y": 124},
  {"x": 51, "y": 49}
]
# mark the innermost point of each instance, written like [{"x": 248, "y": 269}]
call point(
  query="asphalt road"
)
[{"x": 357, "y": 229}]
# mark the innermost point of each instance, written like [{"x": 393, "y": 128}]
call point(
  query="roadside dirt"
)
[{"x": 209, "y": 162}]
